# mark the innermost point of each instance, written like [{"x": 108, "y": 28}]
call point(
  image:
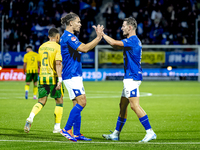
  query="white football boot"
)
[
  {"x": 112, "y": 136},
  {"x": 27, "y": 126},
  {"x": 148, "y": 137},
  {"x": 56, "y": 130}
]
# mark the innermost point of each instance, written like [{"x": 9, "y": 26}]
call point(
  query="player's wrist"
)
[
  {"x": 103, "y": 35},
  {"x": 59, "y": 79},
  {"x": 99, "y": 38}
]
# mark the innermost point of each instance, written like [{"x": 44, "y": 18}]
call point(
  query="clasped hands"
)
[{"x": 99, "y": 30}]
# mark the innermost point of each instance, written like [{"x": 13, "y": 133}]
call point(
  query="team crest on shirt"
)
[{"x": 73, "y": 38}]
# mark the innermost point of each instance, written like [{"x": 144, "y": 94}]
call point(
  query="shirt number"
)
[{"x": 45, "y": 58}]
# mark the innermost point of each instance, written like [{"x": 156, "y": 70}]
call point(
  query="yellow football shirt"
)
[
  {"x": 49, "y": 52},
  {"x": 31, "y": 59}
]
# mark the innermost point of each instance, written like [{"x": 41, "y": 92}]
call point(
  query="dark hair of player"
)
[
  {"x": 52, "y": 32},
  {"x": 29, "y": 47},
  {"x": 67, "y": 18},
  {"x": 131, "y": 21}
]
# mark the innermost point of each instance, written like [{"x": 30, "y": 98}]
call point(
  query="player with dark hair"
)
[
  {"x": 132, "y": 51},
  {"x": 71, "y": 49},
  {"x": 50, "y": 81},
  {"x": 30, "y": 68}
]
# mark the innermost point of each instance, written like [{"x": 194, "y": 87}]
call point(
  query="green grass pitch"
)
[{"x": 173, "y": 109}]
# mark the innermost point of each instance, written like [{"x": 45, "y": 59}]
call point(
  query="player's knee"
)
[
  {"x": 83, "y": 103},
  {"x": 134, "y": 107},
  {"x": 59, "y": 100},
  {"x": 120, "y": 105}
]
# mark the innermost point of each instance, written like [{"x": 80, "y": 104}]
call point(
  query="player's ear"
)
[
  {"x": 70, "y": 23},
  {"x": 130, "y": 27},
  {"x": 58, "y": 36}
]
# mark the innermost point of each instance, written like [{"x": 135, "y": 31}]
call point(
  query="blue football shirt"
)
[
  {"x": 132, "y": 58},
  {"x": 71, "y": 58}
]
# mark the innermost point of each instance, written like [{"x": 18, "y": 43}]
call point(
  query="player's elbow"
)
[
  {"x": 117, "y": 44},
  {"x": 114, "y": 44},
  {"x": 58, "y": 62}
]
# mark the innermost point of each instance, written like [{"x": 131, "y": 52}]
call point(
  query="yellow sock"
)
[
  {"x": 37, "y": 107},
  {"x": 26, "y": 87},
  {"x": 35, "y": 89},
  {"x": 58, "y": 113}
]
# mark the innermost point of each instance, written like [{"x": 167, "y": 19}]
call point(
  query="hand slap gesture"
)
[{"x": 99, "y": 30}]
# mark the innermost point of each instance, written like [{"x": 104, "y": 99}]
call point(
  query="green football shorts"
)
[
  {"x": 31, "y": 76},
  {"x": 44, "y": 90}
]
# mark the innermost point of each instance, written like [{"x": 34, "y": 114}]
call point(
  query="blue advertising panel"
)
[
  {"x": 87, "y": 58},
  {"x": 181, "y": 58},
  {"x": 102, "y": 74},
  {"x": 13, "y": 58}
]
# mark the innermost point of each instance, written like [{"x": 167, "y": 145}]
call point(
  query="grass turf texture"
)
[{"x": 173, "y": 110}]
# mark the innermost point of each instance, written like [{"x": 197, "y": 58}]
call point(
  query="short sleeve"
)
[
  {"x": 25, "y": 58},
  {"x": 58, "y": 54},
  {"x": 127, "y": 43}
]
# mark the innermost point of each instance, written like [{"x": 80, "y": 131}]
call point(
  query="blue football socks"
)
[
  {"x": 120, "y": 123},
  {"x": 145, "y": 122},
  {"x": 73, "y": 116},
  {"x": 77, "y": 126}
]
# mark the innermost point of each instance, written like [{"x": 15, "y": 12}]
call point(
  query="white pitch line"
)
[{"x": 69, "y": 142}]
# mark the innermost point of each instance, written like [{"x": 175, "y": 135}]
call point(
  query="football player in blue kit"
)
[
  {"x": 132, "y": 52},
  {"x": 71, "y": 49}
]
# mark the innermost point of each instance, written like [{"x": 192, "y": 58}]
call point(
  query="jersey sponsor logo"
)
[{"x": 73, "y": 39}]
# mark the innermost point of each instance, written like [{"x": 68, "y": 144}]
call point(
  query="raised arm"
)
[
  {"x": 89, "y": 46},
  {"x": 114, "y": 43}
]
